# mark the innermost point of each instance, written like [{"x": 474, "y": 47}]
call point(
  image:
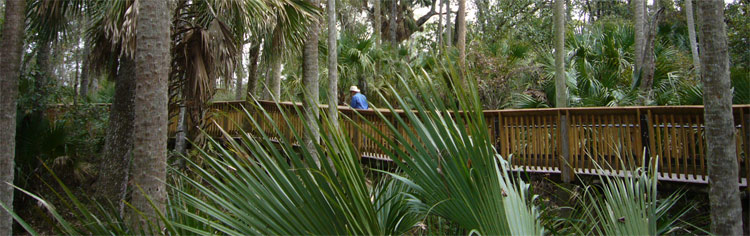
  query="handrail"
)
[{"x": 608, "y": 136}]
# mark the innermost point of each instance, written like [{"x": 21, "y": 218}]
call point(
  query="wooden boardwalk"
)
[{"x": 610, "y": 137}]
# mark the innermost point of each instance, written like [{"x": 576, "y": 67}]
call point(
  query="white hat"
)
[{"x": 353, "y": 89}]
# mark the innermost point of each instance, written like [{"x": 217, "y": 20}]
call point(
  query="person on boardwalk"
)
[{"x": 359, "y": 101}]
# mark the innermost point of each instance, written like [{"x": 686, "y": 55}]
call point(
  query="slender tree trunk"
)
[
  {"x": 41, "y": 82},
  {"x": 111, "y": 184},
  {"x": 277, "y": 48},
  {"x": 440, "y": 26},
  {"x": 311, "y": 81},
  {"x": 180, "y": 141},
  {"x": 461, "y": 33},
  {"x": 150, "y": 132},
  {"x": 649, "y": 57},
  {"x": 640, "y": 36},
  {"x": 482, "y": 6},
  {"x": 724, "y": 195},
  {"x": 333, "y": 74},
  {"x": 561, "y": 91},
  {"x": 238, "y": 82},
  {"x": 252, "y": 71},
  {"x": 392, "y": 25},
  {"x": 448, "y": 26},
  {"x": 691, "y": 35},
  {"x": 377, "y": 21},
  {"x": 84, "y": 91},
  {"x": 11, "y": 48}
]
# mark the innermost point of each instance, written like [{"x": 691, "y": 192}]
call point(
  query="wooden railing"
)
[{"x": 614, "y": 138}]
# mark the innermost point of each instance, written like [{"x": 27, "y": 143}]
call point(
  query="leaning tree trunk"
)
[
  {"x": 311, "y": 82},
  {"x": 649, "y": 58},
  {"x": 724, "y": 195},
  {"x": 111, "y": 184},
  {"x": 11, "y": 45},
  {"x": 333, "y": 74},
  {"x": 461, "y": 33},
  {"x": 252, "y": 71},
  {"x": 273, "y": 91},
  {"x": 640, "y": 36},
  {"x": 691, "y": 35},
  {"x": 151, "y": 99}
]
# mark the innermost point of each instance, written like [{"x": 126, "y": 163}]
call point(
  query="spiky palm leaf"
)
[{"x": 451, "y": 164}]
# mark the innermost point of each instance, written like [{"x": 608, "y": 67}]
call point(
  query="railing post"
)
[
  {"x": 565, "y": 169},
  {"x": 645, "y": 138}
]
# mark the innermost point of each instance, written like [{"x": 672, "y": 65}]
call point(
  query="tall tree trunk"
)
[
  {"x": 561, "y": 91},
  {"x": 440, "y": 26},
  {"x": 724, "y": 196},
  {"x": 392, "y": 22},
  {"x": 640, "y": 36},
  {"x": 311, "y": 81},
  {"x": 691, "y": 35},
  {"x": 277, "y": 48},
  {"x": 84, "y": 91},
  {"x": 151, "y": 99},
  {"x": 41, "y": 82},
  {"x": 333, "y": 74},
  {"x": 448, "y": 26},
  {"x": 252, "y": 71},
  {"x": 461, "y": 33},
  {"x": 482, "y": 6},
  {"x": 11, "y": 47},
  {"x": 649, "y": 57},
  {"x": 111, "y": 184},
  {"x": 377, "y": 21}
]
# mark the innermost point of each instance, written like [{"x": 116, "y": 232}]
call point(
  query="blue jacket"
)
[{"x": 359, "y": 101}]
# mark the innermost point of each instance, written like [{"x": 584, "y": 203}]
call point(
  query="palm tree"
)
[
  {"x": 311, "y": 81},
  {"x": 561, "y": 91},
  {"x": 11, "y": 47},
  {"x": 150, "y": 126},
  {"x": 333, "y": 65},
  {"x": 252, "y": 70},
  {"x": 726, "y": 209}
]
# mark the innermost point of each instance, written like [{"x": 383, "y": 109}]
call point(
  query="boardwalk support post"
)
[{"x": 566, "y": 172}]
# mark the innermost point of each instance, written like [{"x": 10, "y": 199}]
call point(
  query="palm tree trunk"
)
[
  {"x": 277, "y": 48},
  {"x": 311, "y": 81},
  {"x": 333, "y": 74},
  {"x": 11, "y": 47},
  {"x": 640, "y": 36},
  {"x": 724, "y": 195},
  {"x": 561, "y": 91},
  {"x": 111, "y": 184},
  {"x": 691, "y": 35},
  {"x": 252, "y": 71},
  {"x": 150, "y": 132}
]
